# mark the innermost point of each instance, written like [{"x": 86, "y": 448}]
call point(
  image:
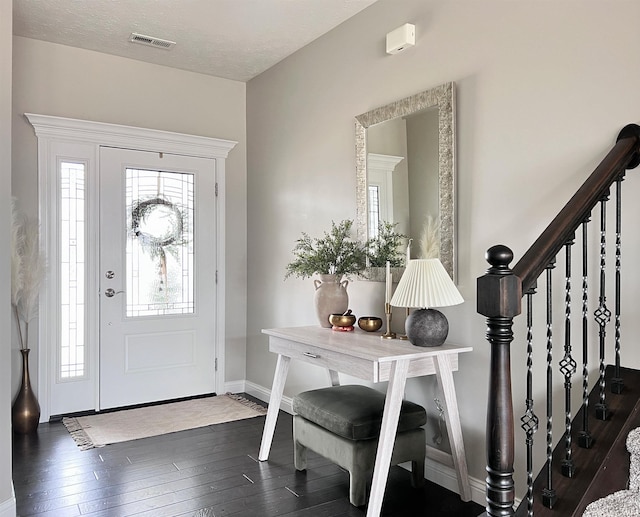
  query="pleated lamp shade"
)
[{"x": 424, "y": 284}]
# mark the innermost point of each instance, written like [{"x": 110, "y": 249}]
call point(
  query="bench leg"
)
[
  {"x": 417, "y": 473},
  {"x": 357, "y": 489},
  {"x": 299, "y": 456}
]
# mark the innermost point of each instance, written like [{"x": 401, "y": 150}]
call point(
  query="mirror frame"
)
[{"x": 443, "y": 97}]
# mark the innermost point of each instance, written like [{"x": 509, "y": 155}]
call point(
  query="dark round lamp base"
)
[{"x": 427, "y": 327}]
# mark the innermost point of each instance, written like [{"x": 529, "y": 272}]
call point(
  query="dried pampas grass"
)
[
  {"x": 32, "y": 273},
  {"x": 17, "y": 240},
  {"x": 27, "y": 271}
]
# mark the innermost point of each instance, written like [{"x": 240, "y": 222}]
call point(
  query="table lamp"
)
[{"x": 426, "y": 284}]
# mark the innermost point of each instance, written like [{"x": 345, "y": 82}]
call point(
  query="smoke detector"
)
[{"x": 150, "y": 41}]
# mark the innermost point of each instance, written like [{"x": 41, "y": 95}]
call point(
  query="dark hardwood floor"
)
[{"x": 205, "y": 472}]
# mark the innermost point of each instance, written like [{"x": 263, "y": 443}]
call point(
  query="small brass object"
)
[
  {"x": 342, "y": 320},
  {"x": 370, "y": 323}
]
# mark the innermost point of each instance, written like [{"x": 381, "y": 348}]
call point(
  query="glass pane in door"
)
[
  {"x": 71, "y": 352},
  {"x": 160, "y": 248}
]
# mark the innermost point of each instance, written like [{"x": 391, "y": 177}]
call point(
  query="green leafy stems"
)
[
  {"x": 336, "y": 253},
  {"x": 386, "y": 247}
]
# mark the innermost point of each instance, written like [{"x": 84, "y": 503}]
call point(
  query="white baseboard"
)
[
  {"x": 446, "y": 477},
  {"x": 8, "y": 507},
  {"x": 234, "y": 387},
  {"x": 262, "y": 393}
]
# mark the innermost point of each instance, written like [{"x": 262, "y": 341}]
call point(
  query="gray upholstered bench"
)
[{"x": 342, "y": 423}]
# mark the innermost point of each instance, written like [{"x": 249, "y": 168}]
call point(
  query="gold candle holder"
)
[{"x": 388, "y": 334}]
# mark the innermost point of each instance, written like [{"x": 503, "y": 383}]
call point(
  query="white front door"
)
[{"x": 157, "y": 277}]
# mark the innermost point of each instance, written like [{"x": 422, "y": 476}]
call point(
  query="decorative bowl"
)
[
  {"x": 370, "y": 323},
  {"x": 342, "y": 320}
]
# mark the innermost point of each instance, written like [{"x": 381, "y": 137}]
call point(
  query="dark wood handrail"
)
[{"x": 579, "y": 207}]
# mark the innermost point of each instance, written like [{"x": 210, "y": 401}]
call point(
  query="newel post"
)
[{"x": 499, "y": 300}]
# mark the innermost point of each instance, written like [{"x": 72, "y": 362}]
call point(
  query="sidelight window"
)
[{"x": 72, "y": 361}]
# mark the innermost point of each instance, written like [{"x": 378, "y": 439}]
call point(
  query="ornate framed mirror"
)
[{"x": 405, "y": 170}]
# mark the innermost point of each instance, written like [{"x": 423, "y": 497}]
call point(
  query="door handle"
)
[{"x": 110, "y": 293}]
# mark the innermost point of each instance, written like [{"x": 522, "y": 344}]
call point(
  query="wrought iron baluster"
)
[
  {"x": 602, "y": 313},
  {"x": 529, "y": 419},
  {"x": 549, "y": 495},
  {"x": 567, "y": 366},
  {"x": 617, "y": 384},
  {"x": 584, "y": 439}
]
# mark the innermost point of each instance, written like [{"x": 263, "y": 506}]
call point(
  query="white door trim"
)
[{"x": 50, "y": 130}]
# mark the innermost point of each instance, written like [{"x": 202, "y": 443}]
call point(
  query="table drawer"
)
[{"x": 343, "y": 363}]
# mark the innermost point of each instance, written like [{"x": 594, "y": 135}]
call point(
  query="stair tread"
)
[{"x": 604, "y": 468}]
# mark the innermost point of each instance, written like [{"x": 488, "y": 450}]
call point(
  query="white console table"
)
[{"x": 367, "y": 356}]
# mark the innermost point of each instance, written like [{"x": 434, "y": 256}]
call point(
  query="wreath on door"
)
[
  {"x": 159, "y": 226},
  {"x": 157, "y": 223}
]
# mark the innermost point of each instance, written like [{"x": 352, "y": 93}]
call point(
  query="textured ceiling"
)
[{"x": 234, "y": 39}]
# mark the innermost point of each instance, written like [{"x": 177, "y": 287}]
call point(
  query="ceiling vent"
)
[{"x": 150, "y": 41}]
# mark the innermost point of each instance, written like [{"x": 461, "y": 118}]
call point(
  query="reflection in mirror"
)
[
  {"x": 380, "y": 179},
  {"x": 405, "y": 162}
]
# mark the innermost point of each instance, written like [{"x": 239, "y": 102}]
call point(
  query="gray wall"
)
[
  {"x": 543, "y": 89},
  {"x": 7, "y": 501},
  {"x": 58, "y": 80}
]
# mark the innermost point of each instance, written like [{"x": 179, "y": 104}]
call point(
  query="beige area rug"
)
[{"x": 131, "y": 424}]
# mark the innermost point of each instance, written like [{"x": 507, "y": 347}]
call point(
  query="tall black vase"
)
[{"x": 25, "y": 412}]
